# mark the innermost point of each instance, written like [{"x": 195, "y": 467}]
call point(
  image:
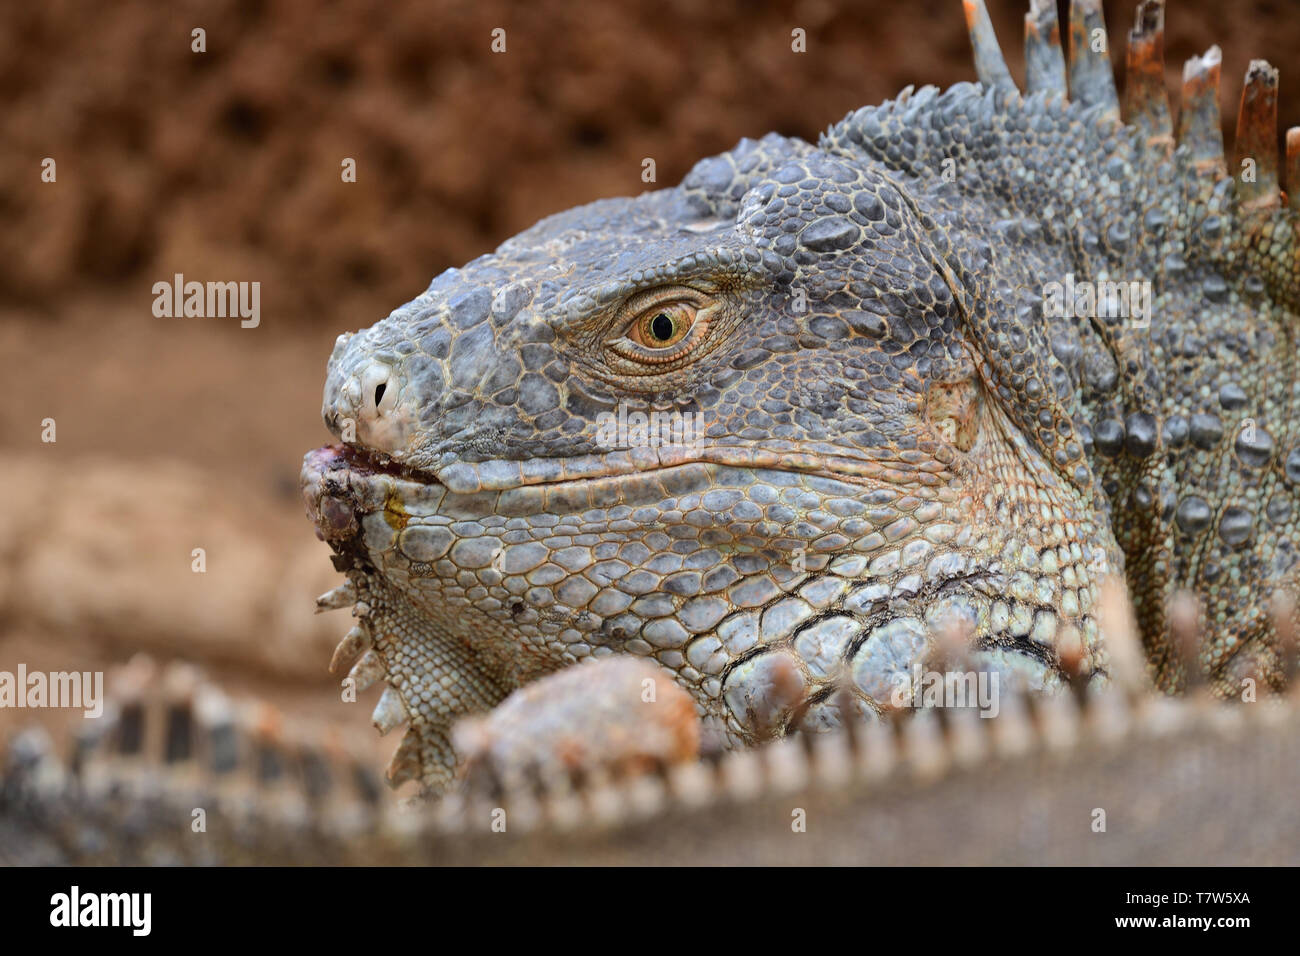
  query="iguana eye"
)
[
  {"x": 665, "y": 326},
  {"x": 662, "y": 327}
]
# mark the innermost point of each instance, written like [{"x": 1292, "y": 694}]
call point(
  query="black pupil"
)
[{"x": 661, "y": 327}]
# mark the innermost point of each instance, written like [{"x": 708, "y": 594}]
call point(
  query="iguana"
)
[{"x": 952, "y": 365}]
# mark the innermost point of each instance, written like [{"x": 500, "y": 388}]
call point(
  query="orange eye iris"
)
[{"x": 662, "y": 326}]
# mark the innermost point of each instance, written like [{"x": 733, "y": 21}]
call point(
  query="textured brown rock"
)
[{"x": 103, "y": 551}]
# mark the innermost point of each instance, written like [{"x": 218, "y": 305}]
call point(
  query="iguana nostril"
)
[{"x": 371, "y": 383}]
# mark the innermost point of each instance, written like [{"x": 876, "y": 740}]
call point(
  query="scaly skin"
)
[{"x": 896, "y": 432}]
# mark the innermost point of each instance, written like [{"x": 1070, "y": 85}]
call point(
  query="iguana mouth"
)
[
  {"x": 363, "y": 460},
  {"x": 500, "y": 475},
  {"x": 329, "y": 483}
]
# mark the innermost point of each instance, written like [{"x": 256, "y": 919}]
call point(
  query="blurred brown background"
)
[{"x": 225, "y": 165}]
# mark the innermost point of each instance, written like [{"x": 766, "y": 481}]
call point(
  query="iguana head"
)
[
  {"x": 740, "y": 426},
  {"x": 771, "y": 427}
]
